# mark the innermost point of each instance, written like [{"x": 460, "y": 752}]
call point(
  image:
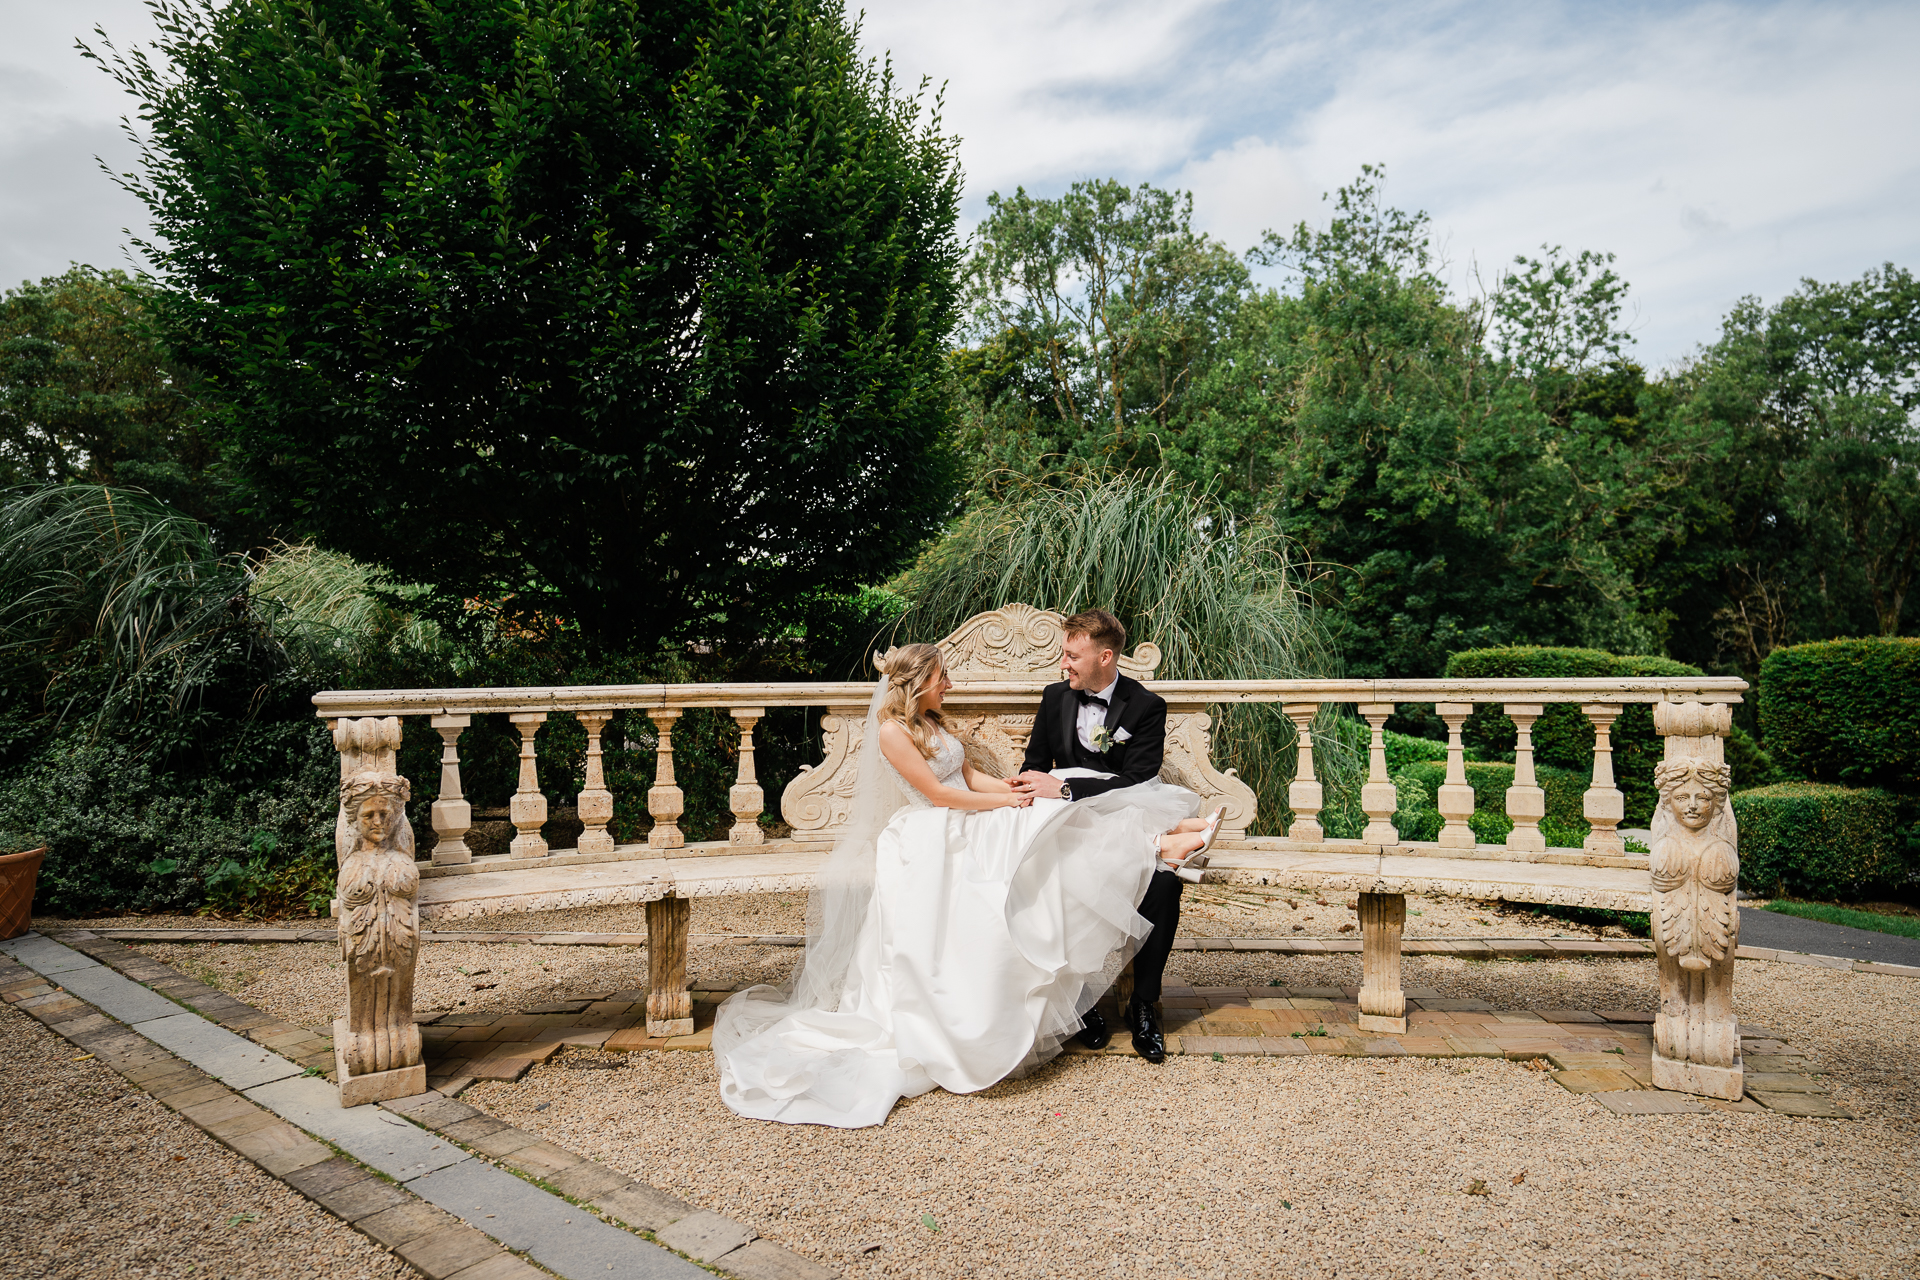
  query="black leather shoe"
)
[
  {"x": 1094, "y": 1032},
  {"x": 1145, "y": 1026}
]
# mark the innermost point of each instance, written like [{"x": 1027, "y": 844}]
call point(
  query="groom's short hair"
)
[{"x": 1099, "y": 626}]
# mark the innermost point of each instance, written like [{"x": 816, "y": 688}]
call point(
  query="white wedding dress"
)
[{"x": 973, "y": 943}]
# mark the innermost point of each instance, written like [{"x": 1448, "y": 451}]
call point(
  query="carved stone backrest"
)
[{"x": 1015, "y": 643}]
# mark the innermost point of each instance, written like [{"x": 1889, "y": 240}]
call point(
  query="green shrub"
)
[
  {"x": 1563, "y": 736},
  {"x": 1816, "y": 840},
  {"x": 1845, "y": 711},
  {"x": 124, "y": 835},
  {"x": 1752, "y": 766},
  {"x": 18, "y": 842}
]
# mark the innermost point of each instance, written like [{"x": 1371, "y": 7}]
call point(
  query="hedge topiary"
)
[
  {"x": 1815, "y": 840},
  {"x": 1845, "y": 711},
  {"x": 1563, "y": 736}
]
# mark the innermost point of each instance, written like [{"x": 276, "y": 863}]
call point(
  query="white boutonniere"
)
[{"x": 1105, "y": 739}]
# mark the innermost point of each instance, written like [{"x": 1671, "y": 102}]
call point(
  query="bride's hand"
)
[{"x": 1019, "y": 799}]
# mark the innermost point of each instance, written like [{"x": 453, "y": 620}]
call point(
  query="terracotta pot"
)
[{"x": 18, "y": 871}]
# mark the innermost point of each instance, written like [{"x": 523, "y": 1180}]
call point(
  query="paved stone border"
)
[
  {"x": 1471, "y": 948},
  {"x": 418, "y": 1176}
]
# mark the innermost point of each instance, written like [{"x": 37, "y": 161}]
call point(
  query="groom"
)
[{"x": 1100, "y": 719}]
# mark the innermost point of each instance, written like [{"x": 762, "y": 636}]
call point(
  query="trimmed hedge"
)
[
  {"x": 1563, "y": 736},
  {"x": 1845, "y": 711},
  {"x": 1816, "y": 840}
]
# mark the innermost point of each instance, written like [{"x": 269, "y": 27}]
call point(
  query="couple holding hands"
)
[{"x": 965, "y": 926}]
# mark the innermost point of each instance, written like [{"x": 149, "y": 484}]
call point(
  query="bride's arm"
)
[
  {"x": 897, "y": 745},
  {"x": 978, "y": 781}
]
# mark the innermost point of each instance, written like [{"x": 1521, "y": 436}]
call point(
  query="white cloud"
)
[
  {"x": 1247, "y": 189},
  {"x": 1719, "y": 149}
]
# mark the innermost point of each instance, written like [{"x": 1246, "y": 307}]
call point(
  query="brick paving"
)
[{"x": 421, "y": 1219}]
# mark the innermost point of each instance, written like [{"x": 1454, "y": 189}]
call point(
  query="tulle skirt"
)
[{"x": 987, "y": 938}]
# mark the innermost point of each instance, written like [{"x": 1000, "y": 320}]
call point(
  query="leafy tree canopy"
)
[
  {"x": 89, "y": 393},
  {"x": 639, "y": 307}
]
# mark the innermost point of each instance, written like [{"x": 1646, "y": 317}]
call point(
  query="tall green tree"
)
[
  {"x": 1810, "y": 528},
  {"x": 641, "y": 308},
  {"x": 1093, "y": 315},
  {"x": 1440, "y": 458},
  {"x": 89, "y": 393}
]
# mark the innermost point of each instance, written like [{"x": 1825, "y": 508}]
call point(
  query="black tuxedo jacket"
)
[{"x": 1055, "y": 741}]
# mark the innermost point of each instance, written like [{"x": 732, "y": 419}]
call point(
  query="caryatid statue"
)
[
  {"x": 379, "y": 922},
  {"x": 1696, "y": 928}
]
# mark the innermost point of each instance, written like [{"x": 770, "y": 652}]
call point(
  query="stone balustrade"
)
[{"x": 1000, "y": 662}]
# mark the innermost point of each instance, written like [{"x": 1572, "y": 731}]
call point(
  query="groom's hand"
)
[{"x": 1043, "y": 786}]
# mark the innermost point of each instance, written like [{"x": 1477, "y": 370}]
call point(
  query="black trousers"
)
[{"x": 1161, "y": 907}]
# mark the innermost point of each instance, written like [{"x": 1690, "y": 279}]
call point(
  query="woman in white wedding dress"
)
[{"x": 959, "y": 932}]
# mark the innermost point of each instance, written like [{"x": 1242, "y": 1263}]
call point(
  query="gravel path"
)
[
  {"x": 1247, "y": 1167},
  {"x": 1306, "y": 1166},
  {"x": 98, "y": 1180}
]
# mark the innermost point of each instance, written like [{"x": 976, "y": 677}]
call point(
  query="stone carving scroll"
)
[
  {"x": 1695, "y": 868},
  {"x": 1020, "y": 642},
  {"x": 1189, "y": 763},
  {"x": 816, "y": 803}
]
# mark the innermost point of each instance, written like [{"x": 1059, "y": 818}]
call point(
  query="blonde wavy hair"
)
[{"x": 912, "y": 670}]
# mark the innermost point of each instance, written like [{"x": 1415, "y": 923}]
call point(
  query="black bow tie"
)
[{"x": 1086, "y": 697}]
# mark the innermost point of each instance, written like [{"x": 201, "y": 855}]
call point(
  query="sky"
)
[{"x": 1719, "y": 150}]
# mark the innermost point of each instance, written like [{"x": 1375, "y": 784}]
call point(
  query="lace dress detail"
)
[{"x": 948, "y": 765}]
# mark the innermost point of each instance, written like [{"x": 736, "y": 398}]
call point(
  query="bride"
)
[{"x": 959, "y": 932}]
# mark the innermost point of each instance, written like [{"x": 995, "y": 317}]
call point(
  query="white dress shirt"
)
[{"x": 1093, "y": 715}]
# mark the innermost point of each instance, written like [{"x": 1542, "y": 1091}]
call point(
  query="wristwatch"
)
[{"x": 1066, "y": 789}]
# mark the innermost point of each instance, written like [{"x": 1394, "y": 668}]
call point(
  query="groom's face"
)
[{"x": 1085, "y": 665}]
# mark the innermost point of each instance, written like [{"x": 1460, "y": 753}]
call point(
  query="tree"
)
[
  {"x": 1440, "y": 459},
  {"x": 88, "y": 393},
  {"x": 1812, "y": 526},
  {"x": 639, "y": 309},
  {"x": 1093, "y": 313}
]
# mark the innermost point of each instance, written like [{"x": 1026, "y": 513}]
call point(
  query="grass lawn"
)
[{"x": 1905, "y": 926}]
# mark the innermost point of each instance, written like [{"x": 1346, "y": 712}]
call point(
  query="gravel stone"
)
[
  {"x": 1314, "y": 1165},
  {"x": 98, "y": 1179}
]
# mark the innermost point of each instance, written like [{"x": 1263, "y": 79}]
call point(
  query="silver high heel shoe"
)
[{"x": 1194, "y": 868}]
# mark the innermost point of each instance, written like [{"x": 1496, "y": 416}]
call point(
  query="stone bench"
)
[{"x": 999, "y": 662}]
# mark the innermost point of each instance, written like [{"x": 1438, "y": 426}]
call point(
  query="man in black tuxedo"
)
[{"x": 1099, "y": 719}]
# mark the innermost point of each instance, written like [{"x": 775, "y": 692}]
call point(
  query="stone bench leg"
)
[
  {"x": 1383, "y": 1005},
  {"x": 669, "y": 1003}
]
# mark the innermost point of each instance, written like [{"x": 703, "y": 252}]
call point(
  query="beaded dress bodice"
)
[{"x": 948, "y": 765}]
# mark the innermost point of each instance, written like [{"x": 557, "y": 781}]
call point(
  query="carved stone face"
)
[
  {"x": 376, "y": 820},
  {"x": 1692, "y": 802}
]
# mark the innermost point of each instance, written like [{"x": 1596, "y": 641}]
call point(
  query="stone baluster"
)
[
  {"x": 595, "y": 805},
  {"x": 1383, "y": 1003},
  {"x": 746, "y": 799},
  {"x": 665, "y": 801},
  {"x": 1603, "y": 804},
  {"x": 1455, "y": 800},
  {"x": 377, "y": 1049},
  {"x": 669, "y": 1003},
  {"x": 1694, "y": 869},
  {"x": 528, "y": 807},
  {"x": 1378, "y": 798},
  {"x": 452, "y": 815},
  {"x": 1304, "y": 795},
  {"x": 1526, "y": 801}
]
